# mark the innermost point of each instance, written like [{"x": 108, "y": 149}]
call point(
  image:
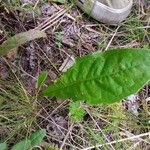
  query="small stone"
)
[
  {"x": 68, "y": 63},
  {"x": 133, "y": 104}
]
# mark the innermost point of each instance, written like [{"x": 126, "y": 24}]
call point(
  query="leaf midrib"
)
[{"x": 87, "y": 80}]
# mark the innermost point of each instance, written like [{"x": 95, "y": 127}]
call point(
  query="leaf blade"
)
[
  {"x": 104, "y": 77},
  {"x": 19, "y": 39},
  {"x": 22, "y": 145},
  {"x": 37, "y": 137},
  {"x": 3, "y": 146},
  {"x": 41, "y": 78},
  {"x": 76, "y": 112}
]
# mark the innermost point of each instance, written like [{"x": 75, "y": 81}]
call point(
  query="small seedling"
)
[
  {"x": 76, "y": 112},
  {"x": 28, "y": 143}
]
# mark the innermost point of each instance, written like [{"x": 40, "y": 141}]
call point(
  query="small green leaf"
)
[
  {"x": 3, "y": 146},
  {"x": 37, "y": 137},
  {"x": 22, "y": 145},
  {"x": 104, "y": 77},
  {"x": 41, "y": 78},
  {"x": 19, "y": 39},
  {"x": 76, "y": 112}
]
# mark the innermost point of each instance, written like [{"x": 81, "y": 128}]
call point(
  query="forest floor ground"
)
[{"x": 73, "y": 34}]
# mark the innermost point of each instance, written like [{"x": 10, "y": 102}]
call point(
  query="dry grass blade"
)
[
  {"x": 63, "y": 143},
  {"x": 105, "y": 137},
  {"x": 69, "y": 33},
  {"x": 52, "y": 20},
  {"x": 49, "y": 20},
  {"x": 117, "y": 141}
]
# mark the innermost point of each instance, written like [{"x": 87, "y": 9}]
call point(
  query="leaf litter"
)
[{"x": 78, "y": 38}]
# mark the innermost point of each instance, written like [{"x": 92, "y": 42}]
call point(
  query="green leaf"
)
[
  {"x": 19, "y": 39},
  {"x": 76, "y": 112},
  {"x": 41, "y": 78},
  {"x": 104, "y": 77},
  {"x": 3, "y": 146},
  {"x": 37, "y": 137},
  {"x": 22, "y": 145}
]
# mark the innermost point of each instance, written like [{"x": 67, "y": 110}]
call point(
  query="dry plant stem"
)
[
  {"x": 59, "y": 127},
  {"x": 1, "y": 116},
  {"x": 23, "y": 71},
  {"x": 70, "y": 17},
  {"x": 55, "y": 110},
  {"x": 100, "y": 129},
  {"x": 54, "y": 19},
  {"x": 67, "y": 135},
  {"x": 52, "y": 24},
  {"x": 49, "y": 20},
  {"x": 145, "y": 27},
  {"x": 134, "y": 146},
  {"x": 44, "y": 144},
  {"x": 59, "y": 106},
  {"x": 25, "y": 92},
  {"x": 59, "y": 23},
  {"x": 118, "y": 141},
  {"x": 125, "y": 130},
  {"x": 36, "y": 4},
  {"x": 48, "y": 58},
  {"x": 108, "y": 45},
  {"x": 62, "y": 128},
  {"x": 67, "y": 144},
  {"x": 47, "y": 23},
  {"x": 75, "y": 142}
]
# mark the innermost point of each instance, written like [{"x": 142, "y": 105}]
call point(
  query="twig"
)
[
  {"x": 118, "y": 141},
  {"x": 61, "y": 127},
  {"x": 108, "y": 45},
  {"x": 123, "y": 130},
  {"x": 36, "y": 4},
  {"x": 100, "y": 129},
  {"x": 134, "y": 146},
  {"x": 54, "y": 19},
  {"x": 50, "y": 25},
  {"x": 24, "y": 90},
  {"x": 49, "y": 20},
  {"x": 63, "y": 143}
]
